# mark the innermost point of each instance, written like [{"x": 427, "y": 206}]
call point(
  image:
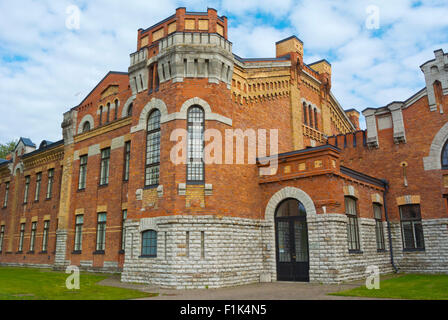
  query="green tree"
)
[{"x": 7, "y": 148}]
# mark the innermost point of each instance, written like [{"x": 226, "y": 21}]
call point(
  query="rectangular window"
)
[
  {"x": 149, "y": 244},
  {"x": 78, "y": 232},
  {"x": 127, "y": 159},
  {"x": 152, "y": 169},
  {"x": 82, "y": 172},
  {"x": 50, "y": 183},
  {"x": 38, "y": 182},
  {"x": 2, "y": 235},
  {"x": 123, "y": 230},
  {"x": 101, "y": 232},
  {"x": 45, "y": 236},
  {"x": 379, "y": 231},
  {"x": 22, "y": 235},
  {"x": 33, "y": 236},
  {"x": 5, "y": 200},
  {"x": 411, "y": 227},
  {"x": 352, "y": 225},
  {"x": 27, "y": 189},
  {"x": 104, "y": 174}
]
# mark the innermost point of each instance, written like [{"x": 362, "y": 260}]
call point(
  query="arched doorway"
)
[{"x": 291, "y": 235}]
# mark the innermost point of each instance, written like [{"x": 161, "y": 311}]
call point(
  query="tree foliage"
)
[{"x": 7, "y": 148}]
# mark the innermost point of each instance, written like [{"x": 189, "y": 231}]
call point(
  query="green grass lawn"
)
[
  {"x": 409, "y": 286},
  {"x": 44, "y": 284}
]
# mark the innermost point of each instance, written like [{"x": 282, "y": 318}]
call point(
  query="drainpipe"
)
[{"x": 386, "y": 189}]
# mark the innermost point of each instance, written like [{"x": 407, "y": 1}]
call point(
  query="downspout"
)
[{"x": 386, "y": 189}]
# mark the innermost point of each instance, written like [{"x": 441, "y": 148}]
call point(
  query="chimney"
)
[{"x": 353, "y": 115}]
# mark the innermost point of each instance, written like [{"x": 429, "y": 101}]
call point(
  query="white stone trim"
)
[
  {"x": 434, "y": 159},
  {"x": 124, "y": 111},
  {"x": 87, "y": 118},
  {"x": 150, "y": 106},
  {"x": 148, "y": 224},
  {"x": 181, "y": 115},
  {"x": 209, "y": 115},
  {"x": 285, "y": 193},
  {"x": 309, "y": 103}
]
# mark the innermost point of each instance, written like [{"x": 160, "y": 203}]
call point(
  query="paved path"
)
[{"x": 258, "y": 291}]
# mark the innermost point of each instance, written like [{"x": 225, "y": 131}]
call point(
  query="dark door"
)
[{"x": 291, "y": 242}]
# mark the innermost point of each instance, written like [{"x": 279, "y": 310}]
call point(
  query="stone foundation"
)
[
  {"x": 434, "y": 259},
  {"x": 232, "y": 252},
  {"x": 241, "y": 251}
]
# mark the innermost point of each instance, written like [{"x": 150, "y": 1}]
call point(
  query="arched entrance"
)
[{"x": 291, "y": 237}]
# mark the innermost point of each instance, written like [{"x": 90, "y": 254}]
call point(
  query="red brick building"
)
[{"x": 200, "y": 168}]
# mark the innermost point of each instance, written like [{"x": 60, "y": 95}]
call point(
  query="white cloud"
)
[{"x": 45, "y": 69}]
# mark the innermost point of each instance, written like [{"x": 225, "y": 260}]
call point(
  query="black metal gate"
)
[{"x": 292, "y": 242}]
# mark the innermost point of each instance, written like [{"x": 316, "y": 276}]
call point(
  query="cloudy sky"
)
[{"x": 47, "y": 68}]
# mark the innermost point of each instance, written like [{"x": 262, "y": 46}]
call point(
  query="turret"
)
[
  {"x": 185, "y": 45},
  {"x": 436, "y": 77}
]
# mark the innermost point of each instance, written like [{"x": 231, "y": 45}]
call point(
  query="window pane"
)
[
  {"x": 445, "y": 156},
  {"x": 408, "y": 236},
  {"x": 195, "y": 164},
  {"x": 419, "y": 239},
  {"x": 149, "y": 243},
  {"x": 410, "y": 212},
  {"x": 350, "y": 206}
]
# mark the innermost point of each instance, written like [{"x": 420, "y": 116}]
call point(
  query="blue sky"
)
[{"x": 46, "y": 69}]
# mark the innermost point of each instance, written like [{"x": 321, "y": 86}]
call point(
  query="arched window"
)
[
  {"x": 195, "y": 161},
  {"x": 86, "y": 126},
  {"x": 130, "y": 110},
  {"x": 116, "y": 109},
  {"x": 153, "y": 149},
  {"x": 315, "y": 120},
  {"x": 108, "y": 113},
  {"x": 305, "y": 114},
  {"x": 149, "y": 243},
  {"x": 310, "y": 111},
  {"x": 445, "y": 156},
  {"x": 101, "y": 115}
]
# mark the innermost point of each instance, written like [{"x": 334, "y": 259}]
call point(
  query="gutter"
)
[{"x": 386, "y": 189}]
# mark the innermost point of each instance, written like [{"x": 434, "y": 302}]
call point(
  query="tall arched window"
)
[
  {"x": 86, "y": 126},
  {"x": 195, "y": 161},
  {"x": 149, "y": 243},
  {"x": 101, "y": 115},
  {"x": 116, "y": 109},
  {"x": 310, "y": 111},
  {"x": 315, "y": 120},
  {"x": 445, "y": 156},
  {"x": 108, "y": 113},
  {"x": 152, "y": 170},
  {"x": 130, "y": 110},
  {"x": 305, "y": 114}
]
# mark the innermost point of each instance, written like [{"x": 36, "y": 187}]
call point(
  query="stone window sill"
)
[
  {"x": 99, "y": 252},
  {"x": 414, "y": 250},
  {"x": 147, "y": 257},
  {"x": 77, "y": 252},
  {"x": 355, "y": 252}
]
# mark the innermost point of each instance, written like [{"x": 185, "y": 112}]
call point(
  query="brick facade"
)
[{"x": 222, "y": 231}]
